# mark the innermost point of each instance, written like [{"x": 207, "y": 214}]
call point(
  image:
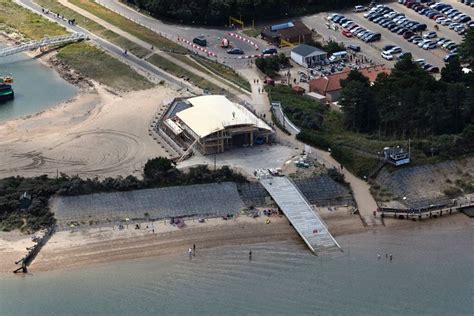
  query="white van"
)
[{"x": 338, "y": 56}]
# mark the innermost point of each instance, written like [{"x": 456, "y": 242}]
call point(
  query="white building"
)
[
  {"x": 308, "y": 56},
  {"x": 213, "y": 124}
]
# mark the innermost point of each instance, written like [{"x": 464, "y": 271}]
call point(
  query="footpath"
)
[{"x": 220, "y": 82}]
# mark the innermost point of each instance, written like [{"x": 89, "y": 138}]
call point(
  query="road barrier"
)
[
  {"x": 202, "y": 49},
  {"x": 246, "y": 40}
]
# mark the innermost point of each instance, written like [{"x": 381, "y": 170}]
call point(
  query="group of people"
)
[
  {"x": 59, "y": 16},
  {"x": 387, "y": 256},
  {"x": 257, "y": 81}
]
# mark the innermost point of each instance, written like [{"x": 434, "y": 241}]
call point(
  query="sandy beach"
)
[
  {"x": 95, "y": 245},
  {"x": 95, "y": 134},
  {"x": 91, "y": 246}
]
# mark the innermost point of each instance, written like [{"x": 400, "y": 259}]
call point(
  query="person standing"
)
[
  {"x": 190, "y": 251},
  {"x": 194, "y": 250}
]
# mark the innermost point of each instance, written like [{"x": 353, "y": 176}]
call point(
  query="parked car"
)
[
  {"x": 431, "y": 45},
  {"x": 449, "y": 57},
  {"x": 404, "y": 54},
  {"x": 360, "y": 8},
  {"x": 386, "y": 56},
  {"x": 355, "y": 48},
  {"x": 429, "y": 35},
  {"x": 200, "y": 40},
  {"x": 235, "y": 51},
  {"x": 394, "y": 50},
  {"x": 269, "y": 51},
  {"x": 346, "y": 33}
]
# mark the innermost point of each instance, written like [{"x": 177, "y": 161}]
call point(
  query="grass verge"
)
[
  {"x": 251, "y": 32},
  {"x": 129, "y": 26},
  {"x": 180, "y": 72},
  {"x": 100, "y": 66},
  {"x": 94, "y": 27},
  {"x": 224, "y": 72},
  {"x": 86, "y": 59},
  {"x": 26, "y": 22}
]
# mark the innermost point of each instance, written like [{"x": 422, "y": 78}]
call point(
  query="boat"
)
[{"x": 6, "y": 90}]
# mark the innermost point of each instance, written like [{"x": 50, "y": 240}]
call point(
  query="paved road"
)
[
  {"x": 140, "y": 64},
  {"x": 213, "y": 35},
  {"x": 222, "y": 83}
]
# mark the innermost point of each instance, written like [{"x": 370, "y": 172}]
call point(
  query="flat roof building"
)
[
  {"x": 295, "y": 32},
  {"x": 308, "y": 56},
  {"x": 213, "y": 124}
]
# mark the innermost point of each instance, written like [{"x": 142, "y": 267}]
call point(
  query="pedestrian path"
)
[{"x": 304, "y": 219}]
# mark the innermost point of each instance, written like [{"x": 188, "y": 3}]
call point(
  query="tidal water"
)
[
  {"x": 431, "y": 274},
  {"x": 36, "y": 86}
]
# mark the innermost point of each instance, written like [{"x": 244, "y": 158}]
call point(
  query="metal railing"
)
[{"x": 47, "y": 41}]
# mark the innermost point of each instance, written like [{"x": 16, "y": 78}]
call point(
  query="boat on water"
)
[{"x": 6, "y": 90}]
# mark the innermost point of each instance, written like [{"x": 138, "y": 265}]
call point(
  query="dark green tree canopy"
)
[{"x": 217, "y": 12}]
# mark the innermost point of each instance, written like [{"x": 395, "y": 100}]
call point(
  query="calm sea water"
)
[
  {"x": 36, "y": 87},
  {"x": 431, "y": 274}
]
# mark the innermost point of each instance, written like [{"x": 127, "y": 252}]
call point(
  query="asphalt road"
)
[
  {"x": 213, "y": 35},
  {"x": 111, "y": 48}
]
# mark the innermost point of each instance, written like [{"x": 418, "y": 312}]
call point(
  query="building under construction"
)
[{"x": 213, "y": 124}]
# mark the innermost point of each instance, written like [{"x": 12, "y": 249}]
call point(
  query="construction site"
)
[{"x": 211, "y": 124}]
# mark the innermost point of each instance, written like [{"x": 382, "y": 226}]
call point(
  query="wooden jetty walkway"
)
[{"x": 299, "y": 212}]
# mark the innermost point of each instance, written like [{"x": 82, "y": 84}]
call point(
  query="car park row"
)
[
  {"x": 397, "y": 22},
  {"x": 443, "y": 14},
  {"x": 351, "y": 29}
]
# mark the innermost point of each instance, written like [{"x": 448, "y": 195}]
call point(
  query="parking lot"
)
[
  {"x": 373, "y": 50},
  {"x": 214, "y": 40}
]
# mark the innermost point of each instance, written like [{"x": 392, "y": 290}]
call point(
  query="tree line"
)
[
  {"x": 158, "y": 172},
  {"x": 217, "y": 12},
  {"x": 409, "y": 103}
]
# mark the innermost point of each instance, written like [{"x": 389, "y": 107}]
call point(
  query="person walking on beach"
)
[
  {"x": 378, "y": 256},
  {"x": 194, "y": 250},
  {"x": 250, "y": 255},
  {"x": 391, "y": 257},
  {"x": 190, "y": 251}
]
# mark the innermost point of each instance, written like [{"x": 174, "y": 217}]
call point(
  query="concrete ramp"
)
[{"x": 299, "y": 212}]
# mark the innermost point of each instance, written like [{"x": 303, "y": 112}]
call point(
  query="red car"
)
[{"x": 346, "y": 33}]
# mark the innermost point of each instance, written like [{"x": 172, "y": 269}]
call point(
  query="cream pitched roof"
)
[{"x": 212, "y": 113}]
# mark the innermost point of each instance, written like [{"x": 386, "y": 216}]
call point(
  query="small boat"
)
[{"x": 6, "y": 92}]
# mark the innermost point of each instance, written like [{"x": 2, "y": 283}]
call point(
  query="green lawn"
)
[
  {"x": 190, "y": 62},
  {"x": 129, "y": 26},
  {"x": 100, "y": 66},
  {"x": 180, "y": 72},
  {"x": 30, "y": 24},
  {"x": 224, "y": 72},
  {"x": 251, "y": 32},
  {"x": 94, "y": 27},
  {"x": 86, "y": 59}
]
